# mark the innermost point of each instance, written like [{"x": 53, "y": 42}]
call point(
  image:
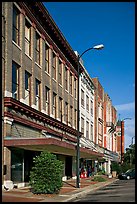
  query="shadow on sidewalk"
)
[{"x": 64, "y": 182}]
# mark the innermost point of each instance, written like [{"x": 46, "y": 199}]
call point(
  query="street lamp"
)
[
  {"x": 97, "y": 47},
  {"x": 132, "y": 140},
  {"x": 122, "y": 134}
]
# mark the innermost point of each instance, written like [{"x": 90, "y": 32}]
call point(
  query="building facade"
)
[
  {"x": 39, "y": 99},
  {"x": 120, "y": 139},
  {"x": 99, "y": 113},
  {"x": 86, "y": 104}
]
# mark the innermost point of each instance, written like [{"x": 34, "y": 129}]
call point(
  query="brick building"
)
[
  {"x": 99, "y": 113},
  {"x": 120, "y": 139},
  {"x": 105, "y": 119},
  {"x": 39, "y": 100}
]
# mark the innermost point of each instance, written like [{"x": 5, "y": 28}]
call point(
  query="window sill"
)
[
  {"x": 61, "y": 85},
  {"x": 47, "y": 73},
  {"x": 54, "y": 79},
  {"x": 28, "y": 56},
  {"x": 38, "y": 65},
  {"x": 16, "y": 45},
  {"x": 66, "y": 90}
]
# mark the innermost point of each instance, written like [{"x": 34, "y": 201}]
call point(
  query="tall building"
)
[
  {"x": 99, "y": 113},
  {"x": 120, "y": 139},
  {"x": 114, "y": 136},
  {"x": 105, "y": 121},
  {"x": 39, "y": 100},
  {"x": 86, "y": 119}
]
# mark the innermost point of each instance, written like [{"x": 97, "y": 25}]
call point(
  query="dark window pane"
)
[
  {"x": 14, "y": 73},
  {"x": 26, "y": 80}
]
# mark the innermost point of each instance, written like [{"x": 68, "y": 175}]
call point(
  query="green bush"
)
[
  {"x": 101, "y": 172},
  {"x": 46, "y": 174},
  {"x": 99, "y": 179}
]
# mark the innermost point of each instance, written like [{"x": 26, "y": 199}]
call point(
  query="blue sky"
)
[{"x": 85, "y": 24}]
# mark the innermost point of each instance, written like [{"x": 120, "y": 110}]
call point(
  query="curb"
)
[{"x": 85, "y": 191}]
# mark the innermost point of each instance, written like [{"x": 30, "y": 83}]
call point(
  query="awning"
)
[{"x": 52, "y": 145}]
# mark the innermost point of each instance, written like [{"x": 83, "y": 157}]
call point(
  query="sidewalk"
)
[{"x": 67, "y": 193}]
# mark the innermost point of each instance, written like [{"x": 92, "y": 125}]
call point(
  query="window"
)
[
  {"x": 37, "y": 94},
  {"x": 87, "y": 129},
  {"x": 75, "y": 88},
  {"x": 87, "y": 103},
  {"x": 91, "y": 132},
  {"x": 54, "y": 104},
  {"x": 100, "y": 110},
  {"x": 53, "y": 65},
  {"x": 82, "y": 97},
  {"x": 15, "y": 81},
  {"x": 60, "y": 108},
  {"x": 16, "y": 23},
  {"x": 71, "y": 116},
  {"x": 100, "y": 128},
  {"x": 66, "y": 112},
  {"x": 60, "y": 72},
  {"x": 37, "y": 48},
  {"x": 27, "y": 87},
  {"x": 91, "y": 107},
  {"x": 82, "y": 125},
  {"x": 46, "y": 58},
  {"x": 75, "y": 118},
  {"x": 70, "y": 83},
  {"x": 47, "y": 92},
  {"x": 27, "y": 38},
  {"x": 66, "y": 78}
]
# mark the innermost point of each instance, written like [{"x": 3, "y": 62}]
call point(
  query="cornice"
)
[{"x": 29, "y": 111}]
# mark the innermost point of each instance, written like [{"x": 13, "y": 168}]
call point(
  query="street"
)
[{"x": 119, "y": 191}]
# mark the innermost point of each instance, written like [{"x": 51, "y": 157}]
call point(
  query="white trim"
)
[
  {"x": 15, "y": 4},
  {"x": 8, "y": 120},
  {"x": 26, "y": 17},
  {"x": 38, "y": 65},
  {"x": 47, "y": 73},
  {"x": 43, "y": 111},
  {"x": 22, "y": 100},
  {"x": 33, "y": 106},
  {"x": 28, "y": 56},
  {"x": 16, "y": 45},
  {"x": 7, "y": 94}
]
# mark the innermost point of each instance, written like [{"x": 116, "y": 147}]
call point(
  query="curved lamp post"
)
[
  {"x": 132, "y": 140},
  {"x": 122, "y": 134},
  {"x": 97, "y": 47}
]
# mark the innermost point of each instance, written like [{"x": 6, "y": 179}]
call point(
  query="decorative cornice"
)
[
  {"x": 38, "y": 126},
  {"x": 29, "y": 111}
]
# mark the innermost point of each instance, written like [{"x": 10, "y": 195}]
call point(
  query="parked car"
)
[{"x": 129, "y": 174}]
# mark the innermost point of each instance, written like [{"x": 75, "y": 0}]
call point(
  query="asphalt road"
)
[{"x": 119, "y": 191}]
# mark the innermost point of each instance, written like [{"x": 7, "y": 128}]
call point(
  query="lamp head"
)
[{"x": 98, "y": 47}]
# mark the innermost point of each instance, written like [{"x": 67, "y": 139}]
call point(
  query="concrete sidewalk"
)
[{"x": 67, "y": 193}]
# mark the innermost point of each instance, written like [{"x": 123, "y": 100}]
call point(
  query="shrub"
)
[
  {"x": 101, "y": 172},
  {"x": 99, "y": 179},
  {"x": 46, "y": 174}
]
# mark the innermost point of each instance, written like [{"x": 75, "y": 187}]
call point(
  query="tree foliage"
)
[
  {"x": 129, "y": 156},
  {"x": 46, "y": 174}
]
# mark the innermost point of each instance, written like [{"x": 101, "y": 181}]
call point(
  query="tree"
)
[
  {"x": 46, "y": 174},
  {"x": 129, "y": 156}
]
